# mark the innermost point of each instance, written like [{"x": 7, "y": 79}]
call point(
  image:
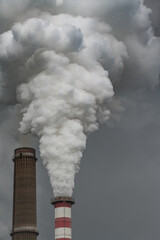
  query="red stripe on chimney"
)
[
  {"x": 63, "y": 239},
  {"x": 63, "y": 222},
  {"x": 62, "y": 204}
]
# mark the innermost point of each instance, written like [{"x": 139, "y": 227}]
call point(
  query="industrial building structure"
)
[
  {"x": 24, "y": 225},
  {"x": 62, "y": 205}
]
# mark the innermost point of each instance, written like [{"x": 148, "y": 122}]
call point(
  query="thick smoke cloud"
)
[
  {"x": 63, "y": 62},
  {"x": 65, "y": 86}
]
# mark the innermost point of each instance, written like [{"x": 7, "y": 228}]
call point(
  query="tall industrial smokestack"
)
[
  {"x": 24, "y": 196},
  {"x": 63, "y": 230}
]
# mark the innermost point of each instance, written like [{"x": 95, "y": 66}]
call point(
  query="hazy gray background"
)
[{"x": 117, "y": 190}]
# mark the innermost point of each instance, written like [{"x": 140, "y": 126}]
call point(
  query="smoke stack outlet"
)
[{"x": 63, "y": 220}]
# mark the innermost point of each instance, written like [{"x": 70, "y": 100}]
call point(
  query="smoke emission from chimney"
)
[{"x": 60, "y": 61}]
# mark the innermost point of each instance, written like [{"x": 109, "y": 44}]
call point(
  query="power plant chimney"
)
[
  {"x": 62, "y": 205},
  {"x": 24, "y": 226}
]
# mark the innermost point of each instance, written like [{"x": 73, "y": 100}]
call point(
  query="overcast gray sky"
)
[{"x": 117, "y": 190}]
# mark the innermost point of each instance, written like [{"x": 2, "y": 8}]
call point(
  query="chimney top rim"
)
[
  {"x": 62, "y": 199},
  {"x": 20, "y": 148}
]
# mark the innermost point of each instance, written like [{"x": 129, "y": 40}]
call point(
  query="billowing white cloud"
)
[{"x": 65, "y": 85}]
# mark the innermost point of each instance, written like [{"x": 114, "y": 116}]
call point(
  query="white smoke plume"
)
[
  {"x": 60, "y": 61},
  {"x": 59, "y": 2}
]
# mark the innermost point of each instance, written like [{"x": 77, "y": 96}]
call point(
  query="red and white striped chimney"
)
[{"x": 63, "y": 229}]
